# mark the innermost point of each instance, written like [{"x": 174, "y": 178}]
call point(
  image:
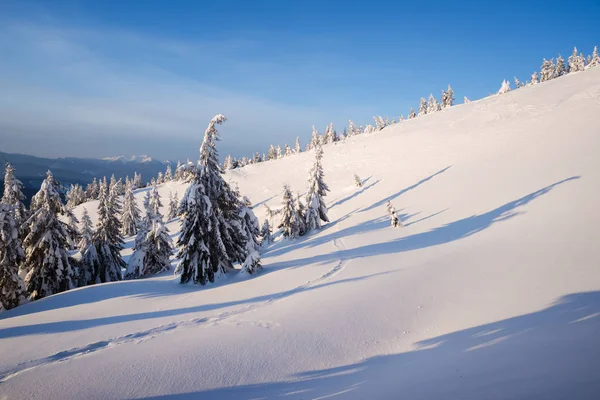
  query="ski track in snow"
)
[{"x": 148, "y": 334}]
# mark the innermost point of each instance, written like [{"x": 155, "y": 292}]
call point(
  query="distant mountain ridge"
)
[{"x": 31, "y": 170}]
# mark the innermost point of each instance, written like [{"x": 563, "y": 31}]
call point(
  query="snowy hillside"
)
[{"x": 491, "y": 290}]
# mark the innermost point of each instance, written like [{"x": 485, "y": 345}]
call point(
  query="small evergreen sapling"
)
[
  {"x": 393, "y": 217},
  {"x": 266, "y": 233},
  {"x": 357, "y": 181},
  {"x": 317, "y": 188}
]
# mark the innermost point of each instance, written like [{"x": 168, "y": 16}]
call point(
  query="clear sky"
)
[{"x": 103, "y": 78}]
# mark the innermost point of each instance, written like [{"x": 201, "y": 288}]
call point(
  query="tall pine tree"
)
[{"x": 211, "y": 238}]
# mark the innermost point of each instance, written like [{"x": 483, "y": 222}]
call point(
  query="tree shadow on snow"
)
[
  {"x": 453, "y": 231},
  {"x": 552, "y": 354},
  {"x": 395, "y": 195},
  {"x": 74, "y": 325}
]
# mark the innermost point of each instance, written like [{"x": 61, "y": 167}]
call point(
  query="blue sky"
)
[{"x": 105, "y": 78}]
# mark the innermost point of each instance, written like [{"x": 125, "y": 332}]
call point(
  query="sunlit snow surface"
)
[{"x": 491, "y": 290}]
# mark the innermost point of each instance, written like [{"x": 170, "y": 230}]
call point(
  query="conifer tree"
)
[
  {"x": 266, "y": 233},
  {"x": 107, "y": 237},
  {"x": 422, "y": 107},
  {"x": 315, "y": 138},
  {"x": 287, "y": 151},
  {"x": 278, "y": 153},
  {"x": 534, "y": 78},
  {"x": 351, "y": 129},
  {"x": 130, "y": 218},
  {"x": 466, "y": 100},
  {"x": 153, "y": 247},
  {"x": 86, "y": 230},
  {"x": 447, "y": 97},
  {"x": 155, "y": 203},
  {"x": 560, "y": 69},
  {"x": 47, "y": 265},
  {"x": 159, "y": 178},
  {"x": 13, "y": 195},
  {"x": 316, "y": 209},
  {"x": 289, "y": 218},
  {"x": 576, "y": 62},
  {"x": 411, "y": 114},
  {"x": 251, "y": 229},
  {"x": 137, "y": 181},
  {"x": 88, "y": 260},
  {"x": 297, "y": 148},
  {"x": 91, "y": 190},
  {"x": 547, "y": 70},
  {"x": 211, "y": 238},
  {"x": 505, "y": 88},
  {"x": 300, "y": 215},
  {"x": 168, "y": 176},
  {"x": 357, "y": 181},
  {"x": 72, "y": 229},
  {"x": 173, "y": 207},
  {"x": 432, "y": 105},
  {"x": 11, "y": 256},
  {"x": 393, "y": 217},
  {"x": 595, "y": 59}
]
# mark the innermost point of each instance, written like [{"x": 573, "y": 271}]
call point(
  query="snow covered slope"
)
[{"x": 491, "y": 290}]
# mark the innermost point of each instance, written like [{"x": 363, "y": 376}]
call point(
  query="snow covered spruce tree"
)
[
  {"x": 505, "y": 88},
  {"x": 447, "y": 97},
  {"x": 211, "y": 238},
  {"x": 88, "y": 257},
  {"x": 432, "y": 105},
  {"x": 393, "y": 217},
  {"x": 466, "y": 100},
  {"x": 412, "y": 114},
  {"x": 289, "y": 215},
  {"x": 547, "y": 70},
  {"x": 107, "y": 237},
  {"x": 300, "y": 215},
  {"x": 266, "y": 232},
  {"x": 11, "y": 256},
  {"x": 130, "y": 217},
  {"x": 173, "y": 206},
  {"x": 47, "y": 265},
  {"x": 534, "y": 78},
  {"x": 576, "y": 62},
  {"x": 316, "y": 210},
  {"x": 153, "y": 245},
  {"x": 560, "y": 68},
  {"x": 251, "y": 228},
  {"x": 297, "y": 148},
  {"x": 168, "y": 176},
  {"x": 72, "y": 229},
  {"x": 595, "y": 59},
  {"x": 13, "y": 195},
  {"x": 422, "y": 107}
]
